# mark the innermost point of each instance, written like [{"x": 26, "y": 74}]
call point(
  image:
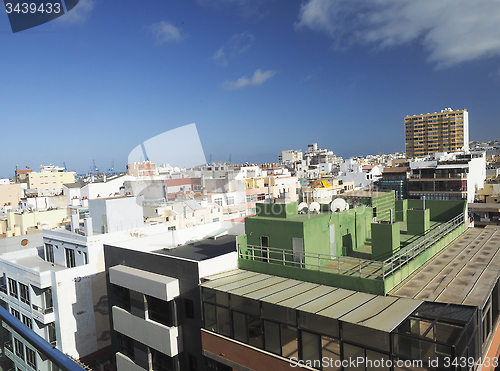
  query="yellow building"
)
[
  {"x": 10, "y": 194},
  {"x": 446, "y": 131},
  {"x": 17, "y": 223},
  {"x": 50, "y": 183}
]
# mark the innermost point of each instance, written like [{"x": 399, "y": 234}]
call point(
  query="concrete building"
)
[
  {"x": 183, "y": 213},
  {"x": 396, "y": 179},
  {"x": 448, "y": 177},
  {"x": 50, "y": 180},
  {"x": 116, "y": 213},
  {"x": 11, "y": 194},
  {"x": 142, "y": 169},
  {"x": 290, "y": 156},
  {"x": 21, "y": 222},
  {"x": 24, "y": 349},
  {"x": 445, "y": 131},
  {"x": 154, "y": 297},
  {"x": 419, "y": 292}
]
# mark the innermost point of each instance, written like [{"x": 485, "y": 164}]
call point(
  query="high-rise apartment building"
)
[{"x": 446, "y": 131}]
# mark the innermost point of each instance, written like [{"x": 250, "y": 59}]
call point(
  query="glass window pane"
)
[
  {"x": 272, "y": 337},
  {"x": 375, "y": 361},
  {"x": 245, "y": 305},
  {"x": 320, "y": 324},
  {"x": 289, "y": 343},
  {"x": 310, "y": 347},
  {"x": 222, "y": 298},
  {"x": 279, "y": 313},
  {"x": 223, "y": 321},
  {"x": 353, "y": 352},
  {"x": 209, "y": 316},
  {"x": 240, "y": 326},
  {"x": 366, "y": 336},
  {"x": 330, "y": 350},
  {"x": 208, "y": 295},
  {"x": 254, "y": 332}
]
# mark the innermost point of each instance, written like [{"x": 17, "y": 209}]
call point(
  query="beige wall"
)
[
  {"x": 45, "y": 182},
  {"x": 10, "y": 193},
  {"x": 19, "y": 223}
]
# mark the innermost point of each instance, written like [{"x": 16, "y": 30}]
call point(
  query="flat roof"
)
[
  {"x": 383, "y": 313},
  {"x": 202, "y": 250},
  {"x": 463, "y": 273},
  {"x": 363, "y": 193},
  {"x": 484, "y": 207}
]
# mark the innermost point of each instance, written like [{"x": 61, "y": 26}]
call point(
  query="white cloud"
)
[
  {"x": 165, "y": 32},
  {"x": 79, "y": 13},
  {"x": 258, "y": 78},
  {"x": 237, "y": 45},
  {"x": 452, "y": 31}
]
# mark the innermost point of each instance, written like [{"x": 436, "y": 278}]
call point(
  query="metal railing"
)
[
  {"x": 322, "y": 262},
  {"x": 349, "y": 265},
  {"x": 408, "y": 253}
]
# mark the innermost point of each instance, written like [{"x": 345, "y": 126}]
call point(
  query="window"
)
[
  {"x": 15, "y": 313},
  {"x": 161, "y": 311},
  {"x": 27, "y": 321},
  {"x": 125, "y": 345},
  {"x": 19, "y": 349},
  {"x": 31, "y": 358},
  {"x": 189, "y": 308},
  {"x": 85, "y": 258},
  {"x": 230, "y": 200},
  {"x": 218, "y": 201},
  {"x": 122, "y": 296},
  {"x": 13, "y": 288},
  {"x": 24, "y": 292},
  {"x": 49, "y": 252},
  {"x": 161, "y": 362},
  {"x": 51, "y": 332},
  {"x": 70, "y": 258}
]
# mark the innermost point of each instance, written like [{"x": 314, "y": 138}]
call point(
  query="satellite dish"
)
[
  {"x": 338, "y": 205},
  {"x": 303, "y": 207},
  {"x": 314, "y": 207}
]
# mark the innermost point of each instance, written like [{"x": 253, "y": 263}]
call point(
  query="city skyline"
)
[{"x": 256, "y": 77}]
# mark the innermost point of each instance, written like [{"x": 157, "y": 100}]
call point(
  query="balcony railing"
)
[
  {"x": 321, "y": 262},
  {"x": 42, "y": 310},
  {"x": 438, "y": 176},
  {"x": 8, "y": 345},
  {"x": 3, "y": 288},
  {"x": 349, "y": 265}
]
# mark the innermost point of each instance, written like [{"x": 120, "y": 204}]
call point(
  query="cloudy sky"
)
[{"x": 256, "y": 77}]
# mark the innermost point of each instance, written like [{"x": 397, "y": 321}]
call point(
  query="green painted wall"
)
[
  {"x": 441, "y": 211},
  {"x": 277, "y": 210},
  {"x": 401, "y": 209},
  {"x": 384, "y": 203},
  {"x": 386, "y": 240},
  {"x": 419, "y": 221}
]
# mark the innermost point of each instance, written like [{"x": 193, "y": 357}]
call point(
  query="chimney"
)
[
  {"x": 87, "y": 226},
  {"x": 75, "y": 223}
]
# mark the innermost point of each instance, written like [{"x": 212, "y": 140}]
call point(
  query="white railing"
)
[{"x": 321, "y": 262}]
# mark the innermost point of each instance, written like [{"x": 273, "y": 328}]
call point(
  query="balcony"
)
[
  {"x": 163, "y": 338},
  {"x": 44, "y": 315}
]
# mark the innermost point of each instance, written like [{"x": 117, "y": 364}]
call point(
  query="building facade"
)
[{"x": 446, "y": 131}]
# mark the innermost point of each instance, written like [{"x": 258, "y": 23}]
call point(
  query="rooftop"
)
[
  {"x": 462, "y": 273},
  {"x": 377, "y": 312},
  {"x": 202, "y": 250}
]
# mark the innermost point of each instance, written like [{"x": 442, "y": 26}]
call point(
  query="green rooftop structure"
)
[{"x": 370, "y": 247}]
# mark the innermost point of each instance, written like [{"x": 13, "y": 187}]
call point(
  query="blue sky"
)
[{"x": 256, "y": 77}]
